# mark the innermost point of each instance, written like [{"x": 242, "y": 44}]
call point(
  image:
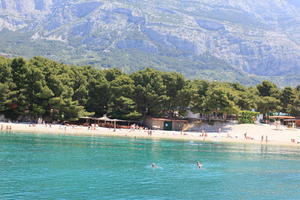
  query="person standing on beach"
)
[{"x": 203, "y": 132}]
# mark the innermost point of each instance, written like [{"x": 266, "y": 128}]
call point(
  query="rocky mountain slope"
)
[{"x": 230, "y": 40}]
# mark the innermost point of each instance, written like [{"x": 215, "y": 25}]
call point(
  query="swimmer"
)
[
  {"x": 199, "y": 164},
  {"x": 153, "y": 165}
]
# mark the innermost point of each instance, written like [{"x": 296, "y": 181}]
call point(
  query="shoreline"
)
[{"x": 238, "y": 134}]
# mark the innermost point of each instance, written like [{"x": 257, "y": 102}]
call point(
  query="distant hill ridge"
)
[{"x": 225, "y": 40}]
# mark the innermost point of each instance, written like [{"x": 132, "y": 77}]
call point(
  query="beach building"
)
[
  {"x": 165, "y": 124},
  {"x": 106, "y": 122},
  {"x": 288, "y": 121},
  {"x": 298, "y": 122}
]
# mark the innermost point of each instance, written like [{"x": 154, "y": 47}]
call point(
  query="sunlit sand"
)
[{"x": 239, "y": 133}]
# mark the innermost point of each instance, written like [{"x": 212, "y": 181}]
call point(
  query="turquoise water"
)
[{"x": 72, "y": 167}]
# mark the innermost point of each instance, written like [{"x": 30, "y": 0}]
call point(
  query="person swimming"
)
[
  {"x": 199, "y": 164},
  {"x": 153, "y": 165}
]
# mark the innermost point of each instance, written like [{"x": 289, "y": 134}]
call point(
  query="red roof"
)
[{"x": 282, "y": 117}]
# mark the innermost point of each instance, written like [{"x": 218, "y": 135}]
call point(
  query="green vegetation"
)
[
  {"x": 41, "y": 88},
  {"x": 247, "y": 117}
]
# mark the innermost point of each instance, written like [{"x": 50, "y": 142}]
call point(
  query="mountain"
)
[{"x": 227, "y": 40}]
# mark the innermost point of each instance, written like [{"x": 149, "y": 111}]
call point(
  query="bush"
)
[{"x": 247, "y": 117}]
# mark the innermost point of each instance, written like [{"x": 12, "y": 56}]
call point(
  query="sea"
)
[{"x": 59, "y": 167}]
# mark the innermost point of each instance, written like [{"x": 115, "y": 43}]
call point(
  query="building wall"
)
[
  {"x": 298, "y": 122},
  {"x": 157, "y": 124},
  {"x": 152, "y": 123},
  {"x": 177, "y": 126}
]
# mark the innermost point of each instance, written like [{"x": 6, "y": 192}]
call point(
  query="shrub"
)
[{"x": 247, "y": 117}]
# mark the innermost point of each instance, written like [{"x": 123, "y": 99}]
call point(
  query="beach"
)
[{"x": 235, "y": 133}]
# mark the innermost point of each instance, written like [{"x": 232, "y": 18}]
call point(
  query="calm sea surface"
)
[{"x": 71, "y": 167}]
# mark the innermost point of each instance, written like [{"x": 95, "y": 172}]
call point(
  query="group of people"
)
[
  {"x": 134, "y": 127},
  {"x": 92, "y": 127},
  {"x": 203, "y": 134},
  {"x": 149, "y": 132},
  {"x": 199, "y": 165},
  {"x": 7, "y": 127},
  {"x": 247, "y": 137},
  {"x": 262, "y": 138}
]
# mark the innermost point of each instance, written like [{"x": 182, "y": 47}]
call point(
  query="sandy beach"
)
[{"x": 235, "y": 133}]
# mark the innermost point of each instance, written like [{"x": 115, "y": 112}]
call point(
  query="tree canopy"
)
[{"x": 41, "y": 88}]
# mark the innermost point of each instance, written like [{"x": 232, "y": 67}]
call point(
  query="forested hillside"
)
[{"x": 30, "y": 89}]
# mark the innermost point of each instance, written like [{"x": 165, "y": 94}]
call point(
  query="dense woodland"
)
[{"x": 30, "y": 89}]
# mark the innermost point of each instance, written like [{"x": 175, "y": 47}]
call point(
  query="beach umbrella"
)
[
  {"x": 115, "y": 122},
  {"x": 104, "y": 118}
]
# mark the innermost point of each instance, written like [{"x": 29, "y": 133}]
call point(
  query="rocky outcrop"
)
[{"x": 259, "y": 38}]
